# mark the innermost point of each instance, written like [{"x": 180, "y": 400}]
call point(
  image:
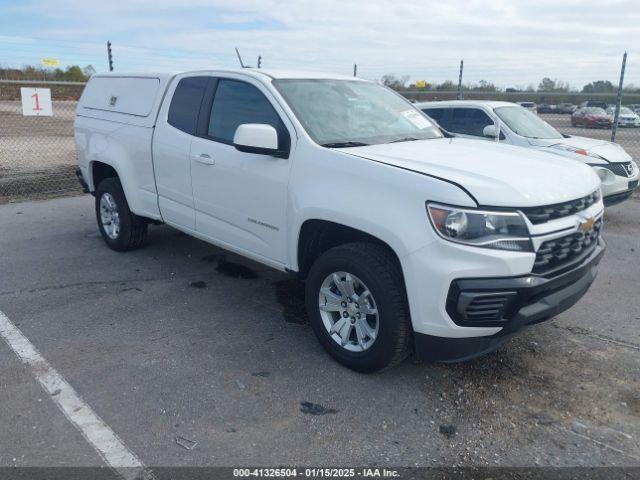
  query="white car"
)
[
  {"x": 480, "y": 119},
  {"x": 626, "y": 117},
  {"x": 408, "y": 240}
]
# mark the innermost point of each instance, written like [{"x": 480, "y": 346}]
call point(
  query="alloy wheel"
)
[
  {"x": 109, "y": 216},
  {"x": 348, "y": 311}
]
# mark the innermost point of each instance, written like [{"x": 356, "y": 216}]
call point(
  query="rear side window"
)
[
  {"x": 469, "y": 121},
  {"x": 236, "y": 102},
  {"x": 185, "y": 104}
]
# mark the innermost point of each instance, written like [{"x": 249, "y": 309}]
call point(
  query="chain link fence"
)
[
  {"x": 37, "y": 153},
  {"x": 627, "y": 137},
  {"x": 38, "y": 159}
]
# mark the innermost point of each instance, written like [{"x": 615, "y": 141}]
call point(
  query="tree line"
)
[
  {"x": 546, "y": 85},
  {"x": 72, "y": 73}
]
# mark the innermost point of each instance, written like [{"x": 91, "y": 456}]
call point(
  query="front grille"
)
[
  {"x": 554, "y": 254},
  {"x": 621, "y": 169},
  {"x": 550, "y": 212}
]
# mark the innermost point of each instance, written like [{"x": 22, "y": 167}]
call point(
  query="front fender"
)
[{"x": 381, "y": 200}]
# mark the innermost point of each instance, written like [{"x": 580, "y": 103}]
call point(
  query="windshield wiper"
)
[
  {"x": 344, "y": 144},
  {"x": 405, "y": 139}
]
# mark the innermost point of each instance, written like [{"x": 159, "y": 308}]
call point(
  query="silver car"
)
[
  {"x": 515, "y": 125},
  {"x": 626, "y": 118}
]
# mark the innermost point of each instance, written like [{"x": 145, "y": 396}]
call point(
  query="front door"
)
[{"x": 240, "y": 198}]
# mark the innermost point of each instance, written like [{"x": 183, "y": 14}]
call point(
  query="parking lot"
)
[{"x": 196, "y": 357}]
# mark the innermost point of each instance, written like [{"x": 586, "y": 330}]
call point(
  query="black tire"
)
[
  {"x": 379, "y": 269},
  {"x": 133, "y": 229}
]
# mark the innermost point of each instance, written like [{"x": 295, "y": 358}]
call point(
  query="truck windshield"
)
[
  {"x": 351, "y": 113},
  {"x": 525, "y": 123}
]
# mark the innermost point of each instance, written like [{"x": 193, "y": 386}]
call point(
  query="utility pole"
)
[
  {"x": 460, "y": 81},
  {"x": 355, "y": 69},
  {"x": 110, "y": 56},
  {"x": 614, "y": 130},
  {"x": 259, "y": 61}
]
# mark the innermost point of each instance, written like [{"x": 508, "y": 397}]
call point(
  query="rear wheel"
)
[
  {"x": 121, "y": 229},
  {"x": 357, "y": 306}
]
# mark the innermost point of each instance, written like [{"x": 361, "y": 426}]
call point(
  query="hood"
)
[
  {"x": 611, "y": 152},
  {"x": 495, "y": 174}
]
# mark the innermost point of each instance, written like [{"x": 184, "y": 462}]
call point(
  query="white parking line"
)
[{"x": 99, "y": 435}]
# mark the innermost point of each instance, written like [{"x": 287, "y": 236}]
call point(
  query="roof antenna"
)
[{"x": 240, "y": 59}]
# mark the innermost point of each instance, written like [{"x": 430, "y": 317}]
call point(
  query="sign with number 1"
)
[{"x": 36, "y": 102}]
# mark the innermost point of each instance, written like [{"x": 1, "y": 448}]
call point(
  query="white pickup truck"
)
[{"x": 408, "y": 240}]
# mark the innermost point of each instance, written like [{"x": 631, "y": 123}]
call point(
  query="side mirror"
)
[
  {"x": 258, "y": 138},
  {"x": 490, "y": 131}
]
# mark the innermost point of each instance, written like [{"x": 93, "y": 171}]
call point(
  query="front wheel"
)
[
  {"x": 357, "y": 306},
  {"x": 121, "y": 229}
]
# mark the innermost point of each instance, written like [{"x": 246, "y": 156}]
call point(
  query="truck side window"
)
[
  {"x": 185, "y": 104},
  {"x": 236, "y": 102},
  {"x": 440, "y": 116},
  {"x": 469, "y": 121},
  {"x": 435, "y": 113}
]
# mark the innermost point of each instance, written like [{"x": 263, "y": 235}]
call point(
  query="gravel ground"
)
[{"x": 183, "y": 339}]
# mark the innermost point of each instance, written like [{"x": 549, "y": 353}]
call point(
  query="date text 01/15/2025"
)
[{"x": 316, "y": 472}]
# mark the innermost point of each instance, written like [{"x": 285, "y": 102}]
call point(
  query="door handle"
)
[{"x": 205, "y": 159}]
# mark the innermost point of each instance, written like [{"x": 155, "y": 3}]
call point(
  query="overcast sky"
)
[{"x": 507, "y": 42}]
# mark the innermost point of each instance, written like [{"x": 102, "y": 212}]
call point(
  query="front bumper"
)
[
  {"x": 530, "y": 299},
  {"x": 628, "y": 123},
  {"x": 620, "y": 196}
]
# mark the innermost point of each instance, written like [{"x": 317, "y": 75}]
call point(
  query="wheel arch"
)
[
  {"x": 100, "y": 170},
  {"x": 316, "y": 236}
]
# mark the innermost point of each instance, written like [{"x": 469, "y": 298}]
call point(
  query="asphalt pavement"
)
[{"x": 193, "y": 356}]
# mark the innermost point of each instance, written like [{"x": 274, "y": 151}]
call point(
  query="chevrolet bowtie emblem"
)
[{"x": 587, "y": 224}]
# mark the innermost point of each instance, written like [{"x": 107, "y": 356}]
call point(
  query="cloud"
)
[{"x": 505, "y": 42}]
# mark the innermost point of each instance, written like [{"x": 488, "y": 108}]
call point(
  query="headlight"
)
[
  {"x": 498, "y": 230},
  {"x": 576, "y": 150}
]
